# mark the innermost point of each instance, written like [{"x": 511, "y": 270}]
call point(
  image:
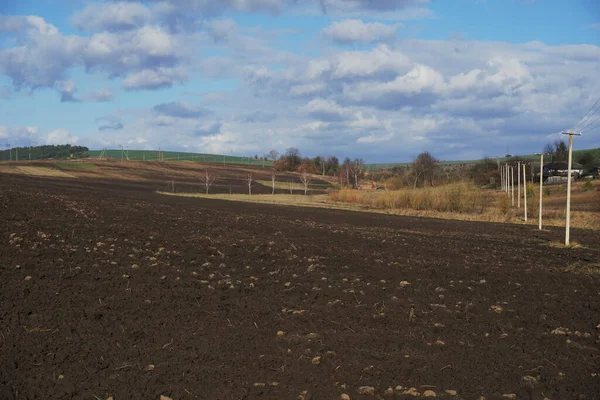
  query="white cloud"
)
[
  {"x": 388, "y": 96},
  {"x": 67, "y": 91},
  {"x": 32, "y": 24},
  {"x": 356, "y": 31},
  {"x": 109, "y": 123},
  {"x": 113, "y": 16},
  {"x": 144, "y": 48},
  {"x": 149, "y": 57},
  {"x": 180, "y": 109},
  {"x": 43, "y": 56},
  {"x": 373, "y": 5},
  {"x": 99, "y": 96},
  {"x": 61, "y": 136},
  {"x": 18, "y": 136},
  {"x": 153, "y": 79}
]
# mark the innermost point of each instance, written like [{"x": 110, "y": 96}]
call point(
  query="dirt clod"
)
[{"x": 366, "y": 390}]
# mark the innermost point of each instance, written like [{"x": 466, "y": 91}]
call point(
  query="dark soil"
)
[
  {"x": 182, "y": 177},
  {"x": 121, "y": 278}
]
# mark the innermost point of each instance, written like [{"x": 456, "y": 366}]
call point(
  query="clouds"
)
[
  {"x": 149, "y": 48},
  {"x": 147, "y": 57},
  {"x": 325, "y": 110},
  {"x": 19, "y": 135},
  {"x": 115, "y": 16},
  {"x": 154, "y": 79},
  {"x": 356, "y": 31},
  {"x": 99, "y": 96},
  {"x": 67, "y": 91},
  {"x": 180, "y": 109},
  {"x": 367, "y": 5},
  {"x": 61, "y": 136},
  {"x": 109, "y": 123},
  {"x": 356, "y": 87},
  {"x": 43, "y": 56}
]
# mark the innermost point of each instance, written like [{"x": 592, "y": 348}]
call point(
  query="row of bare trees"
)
[{"x": 207, "y": 178}]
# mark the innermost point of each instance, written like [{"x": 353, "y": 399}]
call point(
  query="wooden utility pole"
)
[
  {"x": 519, "y": 184},
  {"x": 568, "y": 212},
  {"x": 525, "y": 190},
  {"x": 512, "y": 185},
  {"x": 541, "y": 189}
]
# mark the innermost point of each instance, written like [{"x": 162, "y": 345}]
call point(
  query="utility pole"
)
[
  {"x": 525, "y": 190},
  {"x": 568, "y": 212},
  {"x": 507, "y": 174},
  {"x": 519, "y": 184},
  {"x": 512, "y": 185},
  {"x": 541, "y": 189}
]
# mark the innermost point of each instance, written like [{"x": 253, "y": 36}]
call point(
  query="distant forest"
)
[{"x": 65, "y": 151}]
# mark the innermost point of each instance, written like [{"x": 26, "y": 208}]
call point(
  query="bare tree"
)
[
  {"x": 424, "y": 168},
  {"x": 357, "y": 169},
  {"x": 306, "y": 179},
  {"x": 291, "y": 187},
  {"x": 249, "y": 180},
  {"x": 207, "y": 179},
  {"x": 273, "y": 154},
  {"x": 293, "y": 159},
  {"x": 273, "y": 178}
]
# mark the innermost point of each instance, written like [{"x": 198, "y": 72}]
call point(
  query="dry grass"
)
[
  {"x": 583, "y": 268},
  {"x": 467, "y": 202},
  {"x": 280, "y": 185},
  {"x": 462, "y": 202},
  {"x": 37, "y": 171},
  {"x": 455, "y": 198},
  {"x": 318, "y": 201},
  {"x": 561, "y": 245}
]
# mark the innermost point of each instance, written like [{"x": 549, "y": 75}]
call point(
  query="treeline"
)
[
  {"x": 426, "y": 170},
  {"x": 348, "y": 172},
  {"x": 65, "y": 151}
]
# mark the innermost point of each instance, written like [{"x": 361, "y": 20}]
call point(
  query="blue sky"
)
[{"x": 377, "y": 79}]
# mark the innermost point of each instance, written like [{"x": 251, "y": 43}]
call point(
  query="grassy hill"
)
[
  {"x": 150, "y": 155},
  {"x": 576, "y": 154}
]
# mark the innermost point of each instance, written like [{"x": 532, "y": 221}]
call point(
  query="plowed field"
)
[{"x": 113, "y": 290}]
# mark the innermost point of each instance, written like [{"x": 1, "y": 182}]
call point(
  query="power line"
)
[
  {"x": 586, "y": 114},
  {"x": 593, "y": 128},
  {"x": 589, "y": 123}
]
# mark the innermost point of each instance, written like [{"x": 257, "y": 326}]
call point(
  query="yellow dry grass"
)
[
  {"x": 283, "y": 185},
  {"x": 317, "y": 201},
  {"x": 37, "y": 171},
  {"x": 463, "y": 202}
]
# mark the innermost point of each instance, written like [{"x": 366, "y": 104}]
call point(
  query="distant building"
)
[
  {"x": 558, "y": 168},
  {"x": 561, "y": 168}
]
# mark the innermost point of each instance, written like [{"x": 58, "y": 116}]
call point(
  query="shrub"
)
[
  {"x": 394, "y": 183},
  {"x": 454, "y": 198},
  {"x": 587, "y": 186},
  {"x": 458, "y": 197},
  {"x": 530, "y": 190}
]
